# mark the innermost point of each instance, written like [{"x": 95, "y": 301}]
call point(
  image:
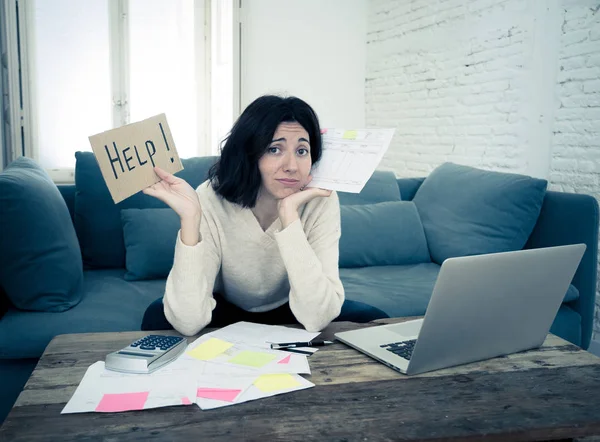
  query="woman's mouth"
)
[{"x": 288, "y": 182}]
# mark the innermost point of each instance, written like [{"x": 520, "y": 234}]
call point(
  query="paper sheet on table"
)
[
  {"x": 223, "y": 357},
  {"x": 349, "y": 158},
  {"x": 103, "y": 390},
  {"x": 258, "y": 387},
  {"x": 261, "y": 335}
]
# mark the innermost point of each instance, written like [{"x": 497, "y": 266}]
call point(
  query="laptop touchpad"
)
[{"x": 409, "y": 329}]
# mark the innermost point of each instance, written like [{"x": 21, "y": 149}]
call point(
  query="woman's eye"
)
[
  {"x": 273, "y": 149},
  {"x": 302, "y": 152}
]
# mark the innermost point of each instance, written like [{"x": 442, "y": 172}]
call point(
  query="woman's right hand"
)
[{"x": 177, "y": 194}]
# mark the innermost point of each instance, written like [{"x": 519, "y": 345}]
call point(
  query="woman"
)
[{"x": 256, "y": 243}]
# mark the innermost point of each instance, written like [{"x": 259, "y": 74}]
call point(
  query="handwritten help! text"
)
[{"x": 150, "y": 149}]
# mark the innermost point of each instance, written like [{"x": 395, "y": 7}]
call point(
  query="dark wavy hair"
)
[{"x": 236, "y": 176}]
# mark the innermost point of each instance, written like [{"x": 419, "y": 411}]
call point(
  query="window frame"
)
[{"x": 23, "y": 140}]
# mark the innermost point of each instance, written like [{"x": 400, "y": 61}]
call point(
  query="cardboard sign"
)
[{"x": 128, "y": 154}]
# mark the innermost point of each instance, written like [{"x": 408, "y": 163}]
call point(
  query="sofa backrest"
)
[
  {"x": 408, "y": 187},
  {"x": 68, "y": 193},
  {"x": 381, "y": 187}
]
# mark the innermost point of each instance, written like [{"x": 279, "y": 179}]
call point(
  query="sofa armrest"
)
[{"x": 569, "y": 218}]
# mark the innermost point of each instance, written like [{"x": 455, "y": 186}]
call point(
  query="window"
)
[
  {"x": 70, "y": 77},
  {"x": 98, "y": 64}
]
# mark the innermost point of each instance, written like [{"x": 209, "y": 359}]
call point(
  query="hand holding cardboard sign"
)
[
  {"x": 176, "y": 193},
  {"x": 183, "y": 199}
]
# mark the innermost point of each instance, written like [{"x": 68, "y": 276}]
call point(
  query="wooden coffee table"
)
[{"x": 545, "y": 394}]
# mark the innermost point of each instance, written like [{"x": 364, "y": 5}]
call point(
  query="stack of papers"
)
[{"x": 229, "y": 366}]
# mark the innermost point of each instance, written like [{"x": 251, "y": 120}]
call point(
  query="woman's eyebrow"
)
[{"x": 283, "y": 139}]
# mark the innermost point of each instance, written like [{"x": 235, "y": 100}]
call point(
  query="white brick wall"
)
[
  {"x": 451, "y": 77},
  {"x": 575, "y": 159},
  {"x": 498, "y": 84}
]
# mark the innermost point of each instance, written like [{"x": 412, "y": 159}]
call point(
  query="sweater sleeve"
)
[
  {"x": 188, "y": 300},
  {"x": 316, "y": 292}
]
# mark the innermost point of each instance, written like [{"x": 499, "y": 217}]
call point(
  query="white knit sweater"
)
[{"x": 254, "y": 269}]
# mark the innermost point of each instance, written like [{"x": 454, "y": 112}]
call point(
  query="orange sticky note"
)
[{"x": 112, "y": 402}]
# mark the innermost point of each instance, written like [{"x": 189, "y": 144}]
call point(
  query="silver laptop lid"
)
[{"x": 490, "y": 305}]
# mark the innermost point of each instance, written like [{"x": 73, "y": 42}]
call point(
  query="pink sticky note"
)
[
  {"x": 185, "y": 401},
  {"x": 112, "y": 402},
  {"x": 285, "y": 360},
  {"x": 221, "y": 394},
  {"x": 323, "y": 131}
]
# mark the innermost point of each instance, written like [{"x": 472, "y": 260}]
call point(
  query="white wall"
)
[
  {"x": 575, "y": 161},
  {"x": 461, "y": 82},
  {"x": 313, "y": 49},
  {"x": 498, "y": 84}
]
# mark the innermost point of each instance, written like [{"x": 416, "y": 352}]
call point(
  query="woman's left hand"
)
[{"x": 288, "y": 206}]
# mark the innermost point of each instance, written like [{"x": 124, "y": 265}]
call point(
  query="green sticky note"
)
[
  {"x": 210, "y": 349},
  {"x": 275, "y": 382},
  {"x": 350, "y": 135},
  {"x": 252, "y": 358}
]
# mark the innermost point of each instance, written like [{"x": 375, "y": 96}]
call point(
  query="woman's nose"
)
[{"x": 289, "y": 163}]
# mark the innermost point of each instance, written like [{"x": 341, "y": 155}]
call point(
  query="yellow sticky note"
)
[
  {"x": 350, "y": 135},
  {"x": 252, "y": 358},
  {"x": 210, "y": 349},
  {"x": 275, "y": 382}
]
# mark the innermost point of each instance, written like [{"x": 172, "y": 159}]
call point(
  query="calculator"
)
[{"x": 146, "y": 354}]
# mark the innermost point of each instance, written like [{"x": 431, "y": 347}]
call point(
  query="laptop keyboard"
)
[{"x": 403, "y": 348}]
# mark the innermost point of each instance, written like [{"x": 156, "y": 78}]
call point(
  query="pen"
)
[
  {"x": 284, "y": 345},
  {"x": 307, "y": 353}
]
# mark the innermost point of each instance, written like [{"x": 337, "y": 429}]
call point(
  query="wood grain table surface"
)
[{"x": 550, "y": 393}]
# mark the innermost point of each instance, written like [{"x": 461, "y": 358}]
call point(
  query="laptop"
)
[{"x": 481, "y": 307}]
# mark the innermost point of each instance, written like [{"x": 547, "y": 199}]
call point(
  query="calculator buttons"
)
[{"x": 154, "y": 342}]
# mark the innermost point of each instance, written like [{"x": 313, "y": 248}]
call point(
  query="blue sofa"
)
[{"x": 392, "y": 245}]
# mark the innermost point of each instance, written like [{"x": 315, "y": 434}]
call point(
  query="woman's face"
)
[{"x": 286, "y": 164}]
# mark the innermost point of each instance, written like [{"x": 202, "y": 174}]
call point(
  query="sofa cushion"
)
[
  {"x": 401, "y": 290},
  {"x": 110, "y": 304},
  {"x": 469, "y": 211},
  {"x": 98, "y": 218},
  {"x": 40, "y": 263},
  {"x": 388, "y": 233},
  {"x": 150, "y": 237},
  {"x": 382, "y": 186}
]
